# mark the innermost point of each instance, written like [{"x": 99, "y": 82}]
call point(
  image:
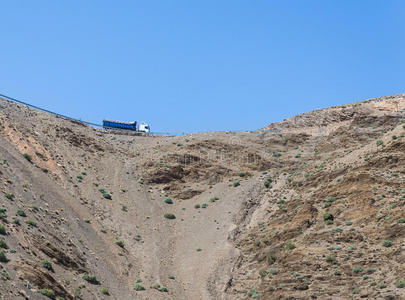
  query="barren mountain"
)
[{"x": 308, "y": 208}]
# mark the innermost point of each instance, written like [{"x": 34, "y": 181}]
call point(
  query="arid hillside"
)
[{"x": 308, "y": 208}]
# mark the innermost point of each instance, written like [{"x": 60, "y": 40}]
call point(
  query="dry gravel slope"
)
[{"x": 316, "y": 229}]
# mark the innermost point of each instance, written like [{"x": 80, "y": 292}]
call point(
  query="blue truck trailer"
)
[{"x": 110, "y": 124}]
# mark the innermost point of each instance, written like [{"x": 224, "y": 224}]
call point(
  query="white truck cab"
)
[{"x": 143, "y": 127}]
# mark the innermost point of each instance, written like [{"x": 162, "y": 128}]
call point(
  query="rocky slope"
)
[{"x": 311, "y": 207}]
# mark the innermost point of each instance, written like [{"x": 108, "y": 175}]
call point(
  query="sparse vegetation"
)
[
  {"x": 169, "y": 216},
  {"x": 290, "y": 245},
  {"x": 168, "y": 201},
  {"x": 387, "y": 243},
  {"x": 107, "y": 196},
  {"x": 31, "y": 223},
  {"x": 120, "y": 243},
  {"x": 139, "y": 287},
  {"x": 271, "y": 259},
  {"x": 3, "y": 244},
  {"x": 214, "y": 199},
  {"x": 48, "y": 293},
  {"x": 9, "y": 196},
  {"x": 3, "y": 257},
  {"x": 91, "y": 279},
  {"x": 47, "y": 265},
  {"x": 27, "y": 157},
  {"x": 20, "y": 213},
  {"x": 2, "y": 229}
]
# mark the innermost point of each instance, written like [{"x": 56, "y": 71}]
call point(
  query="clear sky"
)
[{"x": 191, "y": 65}]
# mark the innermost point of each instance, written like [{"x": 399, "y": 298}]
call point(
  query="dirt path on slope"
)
[{"x": 203, "y": 256}]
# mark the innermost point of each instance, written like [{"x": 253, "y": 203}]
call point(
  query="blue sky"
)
[{"x": 185, "y": 66}]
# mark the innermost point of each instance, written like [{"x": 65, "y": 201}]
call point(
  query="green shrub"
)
[
  {"x": 401, "y": 220},
  {"x": 48, "y": 293},
  {"x": 199, "y": 249},
  {"x": 253, "y": 293},
  {"x": 351, "y": 248},
  {"x": 3, "y": 257},
  {"x": 271, "y": 259},
  {"x": 273, "y": 271},
  {"x": 139, "y": 287},
  {"x": 276, "y": 154},
  {"x": 236, "y": 183},
  {"x": 87, "y": 221},
  {"x": 172, "y": 277},
  {"x": 204, "y": 205},
  {"x": 120, "y": 243},
  {"x": 349, "y": 223},
  {"x": 104, "y": 291},
  {"x": 3, "y": 244},
  {"x": 242, "y": 174},
  {"x": 400, "y": 284},
  {"x": 31, "y": 223},
  {"x": 387, "y": 243},
  {"x": 2, "y": 229},
  {"x": 103, "y": 230},
  {"x": 382, "y": 285},
  {"x": 91, "y": 278},
  {"x": 47, "y": 265},
  {"x": 262, "y": 273},
  {"x": 20, "y": 213},
  {"x": 290, "y": 245},
  {"x": 9, "y": 196},
  {"x": 214, "y": 199},
  {"x": 27, "y": 157},
  {"x": 358, "y": 269},
  {"x": 169, "y": 216},
  {"x": 197, "y": 206},
  {"x": 267, "y": 184},
  {"x": 124, "y": 208},
  {"x": 327, "y": 217},
  {"x": 168, "y": 201},
  {"x": 380, "y": 143},
  {"x": 16, "y": 221},
  {"x": 107, "y": 196}
]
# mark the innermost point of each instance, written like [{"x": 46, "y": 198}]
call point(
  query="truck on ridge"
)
[{"x": 132, "y": 126}]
